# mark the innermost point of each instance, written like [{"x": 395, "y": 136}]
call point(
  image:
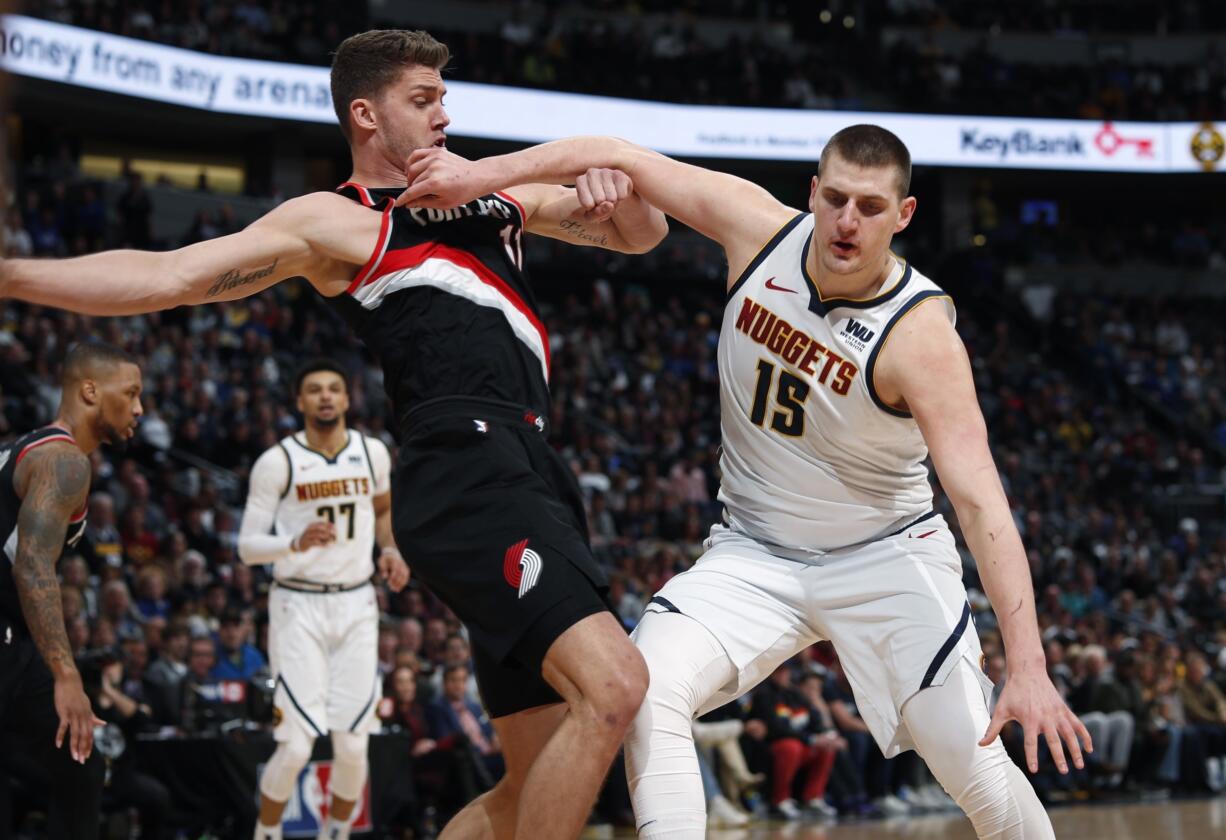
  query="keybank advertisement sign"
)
[{"x": 141, "y": 69}]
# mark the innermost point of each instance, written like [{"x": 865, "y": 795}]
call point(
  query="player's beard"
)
[
  {"x": 326, "y": 422},
  {"x": 113, "y": 437}
]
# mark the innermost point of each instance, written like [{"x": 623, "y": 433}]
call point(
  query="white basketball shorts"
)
[
  {"x": 895, "y": 609},
  {"x": 325, "y": 660}
]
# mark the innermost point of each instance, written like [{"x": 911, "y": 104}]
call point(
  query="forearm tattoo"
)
[
  {"x": 61, "y": 483},
  {"x": 235, "y": 278},
  {"x": 579, "y": 231}
]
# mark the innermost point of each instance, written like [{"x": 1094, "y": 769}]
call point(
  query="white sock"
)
[{"x": 267, "y": 832}]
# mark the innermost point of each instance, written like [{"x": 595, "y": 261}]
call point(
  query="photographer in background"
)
[{"x": 130, "y": 715}]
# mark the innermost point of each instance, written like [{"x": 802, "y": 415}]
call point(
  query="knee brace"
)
[
  {"x": 281, "y": 771},
  {"x": 348, "y": 764}
]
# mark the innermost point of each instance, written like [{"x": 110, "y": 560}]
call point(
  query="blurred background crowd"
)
[{"x": 1105, "y": 402}]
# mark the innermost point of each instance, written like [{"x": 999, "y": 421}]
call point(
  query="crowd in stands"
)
[
  {"x": 1131, "y": 598},
  {"x": 824, "y": 63}
]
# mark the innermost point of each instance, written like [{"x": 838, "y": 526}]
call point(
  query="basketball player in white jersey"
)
[
  {"x": 840, "y": 373},
  {"x": 319, "y": 502}
]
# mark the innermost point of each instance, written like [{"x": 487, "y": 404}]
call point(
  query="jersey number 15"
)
[{"x": 790, "y": 396}]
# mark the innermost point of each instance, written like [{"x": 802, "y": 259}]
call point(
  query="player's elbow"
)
[{"x": 247, "y": 552}]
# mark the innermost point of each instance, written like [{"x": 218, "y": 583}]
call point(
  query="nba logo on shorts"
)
[
  {"x": 522, "y": 567},
  {"x": 307, "y": 808}
]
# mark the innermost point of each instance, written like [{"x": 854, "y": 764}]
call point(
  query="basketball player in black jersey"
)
[
  {"x": 483, "y": 505},
  {"x": 44, "y": 482}
]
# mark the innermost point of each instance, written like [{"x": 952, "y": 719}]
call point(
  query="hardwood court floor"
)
[{"x": 1186, "y": 820}]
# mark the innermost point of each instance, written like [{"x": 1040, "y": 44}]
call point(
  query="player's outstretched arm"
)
[
  {"x": 925, "y": 369},
  {"x": 311, "y": 236},
  {"x": 734, "y": 212},
  {"x": 602, "y": 210},
  {"x": 53, "y": 482}
]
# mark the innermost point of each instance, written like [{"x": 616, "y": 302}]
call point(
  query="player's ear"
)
[
  {"x": 813, "y": 194},
  {"x": 89, "y": 391},
  {"x": 362, "y": 113},
  {"x": 906, "y": 210}
]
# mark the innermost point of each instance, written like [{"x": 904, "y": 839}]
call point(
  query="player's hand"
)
[
  {"x": 423, "y": 746},
  {"x": 600, "y": 191},
  {"x": 318, "y": 532},
  {"x": 76, "y": 717},
  {"x": 1033, "y": 701},
  {"x": 441, "y": 179},
  {"x": 393, "y": 569}
]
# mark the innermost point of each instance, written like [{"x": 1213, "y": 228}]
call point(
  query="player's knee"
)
[
  {"x": 349, "y": 747},
  {"x": 287, "y": 761},
  {"x": 620, "y": 697},
  {"x": 348, "y": 764}
]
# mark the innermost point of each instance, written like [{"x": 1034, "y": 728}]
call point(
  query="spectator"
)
[
  {"x": 1109, "y": 711},
  {"x": 1205, "y": 708},
  {"x": 455, "y": 652},
  {"x": 455, "y": 718},
  {"x": 799, "y": 741},
  {"x": 208, "y": 702},
  {"x": 116, "y": 608},
  {"x": 164, "y": 677},
  {"x": 237, "y": 659}
]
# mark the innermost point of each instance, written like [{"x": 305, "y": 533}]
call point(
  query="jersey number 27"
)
[{"x": 347, "y": 510}]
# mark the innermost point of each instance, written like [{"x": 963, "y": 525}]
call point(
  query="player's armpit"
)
[
  {"x": 53, "y": 482},
  {"x": 322, "y": 236}
]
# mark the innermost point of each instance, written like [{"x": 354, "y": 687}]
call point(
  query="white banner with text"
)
[{"x": 141, "y": 69}]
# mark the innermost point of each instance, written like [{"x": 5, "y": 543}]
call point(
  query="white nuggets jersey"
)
[
  {"x": 312, "y": 487},
  {"x": 812, "y": 458}
]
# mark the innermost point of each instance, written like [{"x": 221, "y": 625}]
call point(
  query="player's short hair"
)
[
  {"x": 364, "y": 65},
  {"x": 870, "y": 146},
  {"x": 91, "y": 359},
  {"x": 315, "y": 366}
]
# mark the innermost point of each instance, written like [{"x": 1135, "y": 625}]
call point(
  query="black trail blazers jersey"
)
[
  {"x": 11, "y": 454},
  {"x": 444, "y": 305}
]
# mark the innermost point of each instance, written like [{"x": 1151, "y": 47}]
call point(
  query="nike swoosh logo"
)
[
  {"x": 306, "y": 467},
  {"x": 771, "y": 285}
]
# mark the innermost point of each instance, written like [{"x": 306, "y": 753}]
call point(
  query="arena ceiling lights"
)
[{"x": 99, "y": 61}]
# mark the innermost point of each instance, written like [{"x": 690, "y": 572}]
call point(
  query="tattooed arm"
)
[
  {"x": 53, "y": 482},
  {"x": 322, "y": 236},
  {"x": 620, "y": 220}
]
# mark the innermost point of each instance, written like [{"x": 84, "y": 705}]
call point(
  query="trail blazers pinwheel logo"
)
[{"x": 522, "y": 567}]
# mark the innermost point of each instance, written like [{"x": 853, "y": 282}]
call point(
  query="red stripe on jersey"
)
[
  {"x": 380, "y": 246},
  {"x": 79, "y": 515},
  {"x": 363, "y": 193},
  {"x": 523, "y": 217},
  {"x": 65, "y": 437},
  {"x": 412, "y": 257}
]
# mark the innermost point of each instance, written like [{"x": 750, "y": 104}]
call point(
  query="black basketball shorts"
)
[{"x": 490, "y": 518}]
